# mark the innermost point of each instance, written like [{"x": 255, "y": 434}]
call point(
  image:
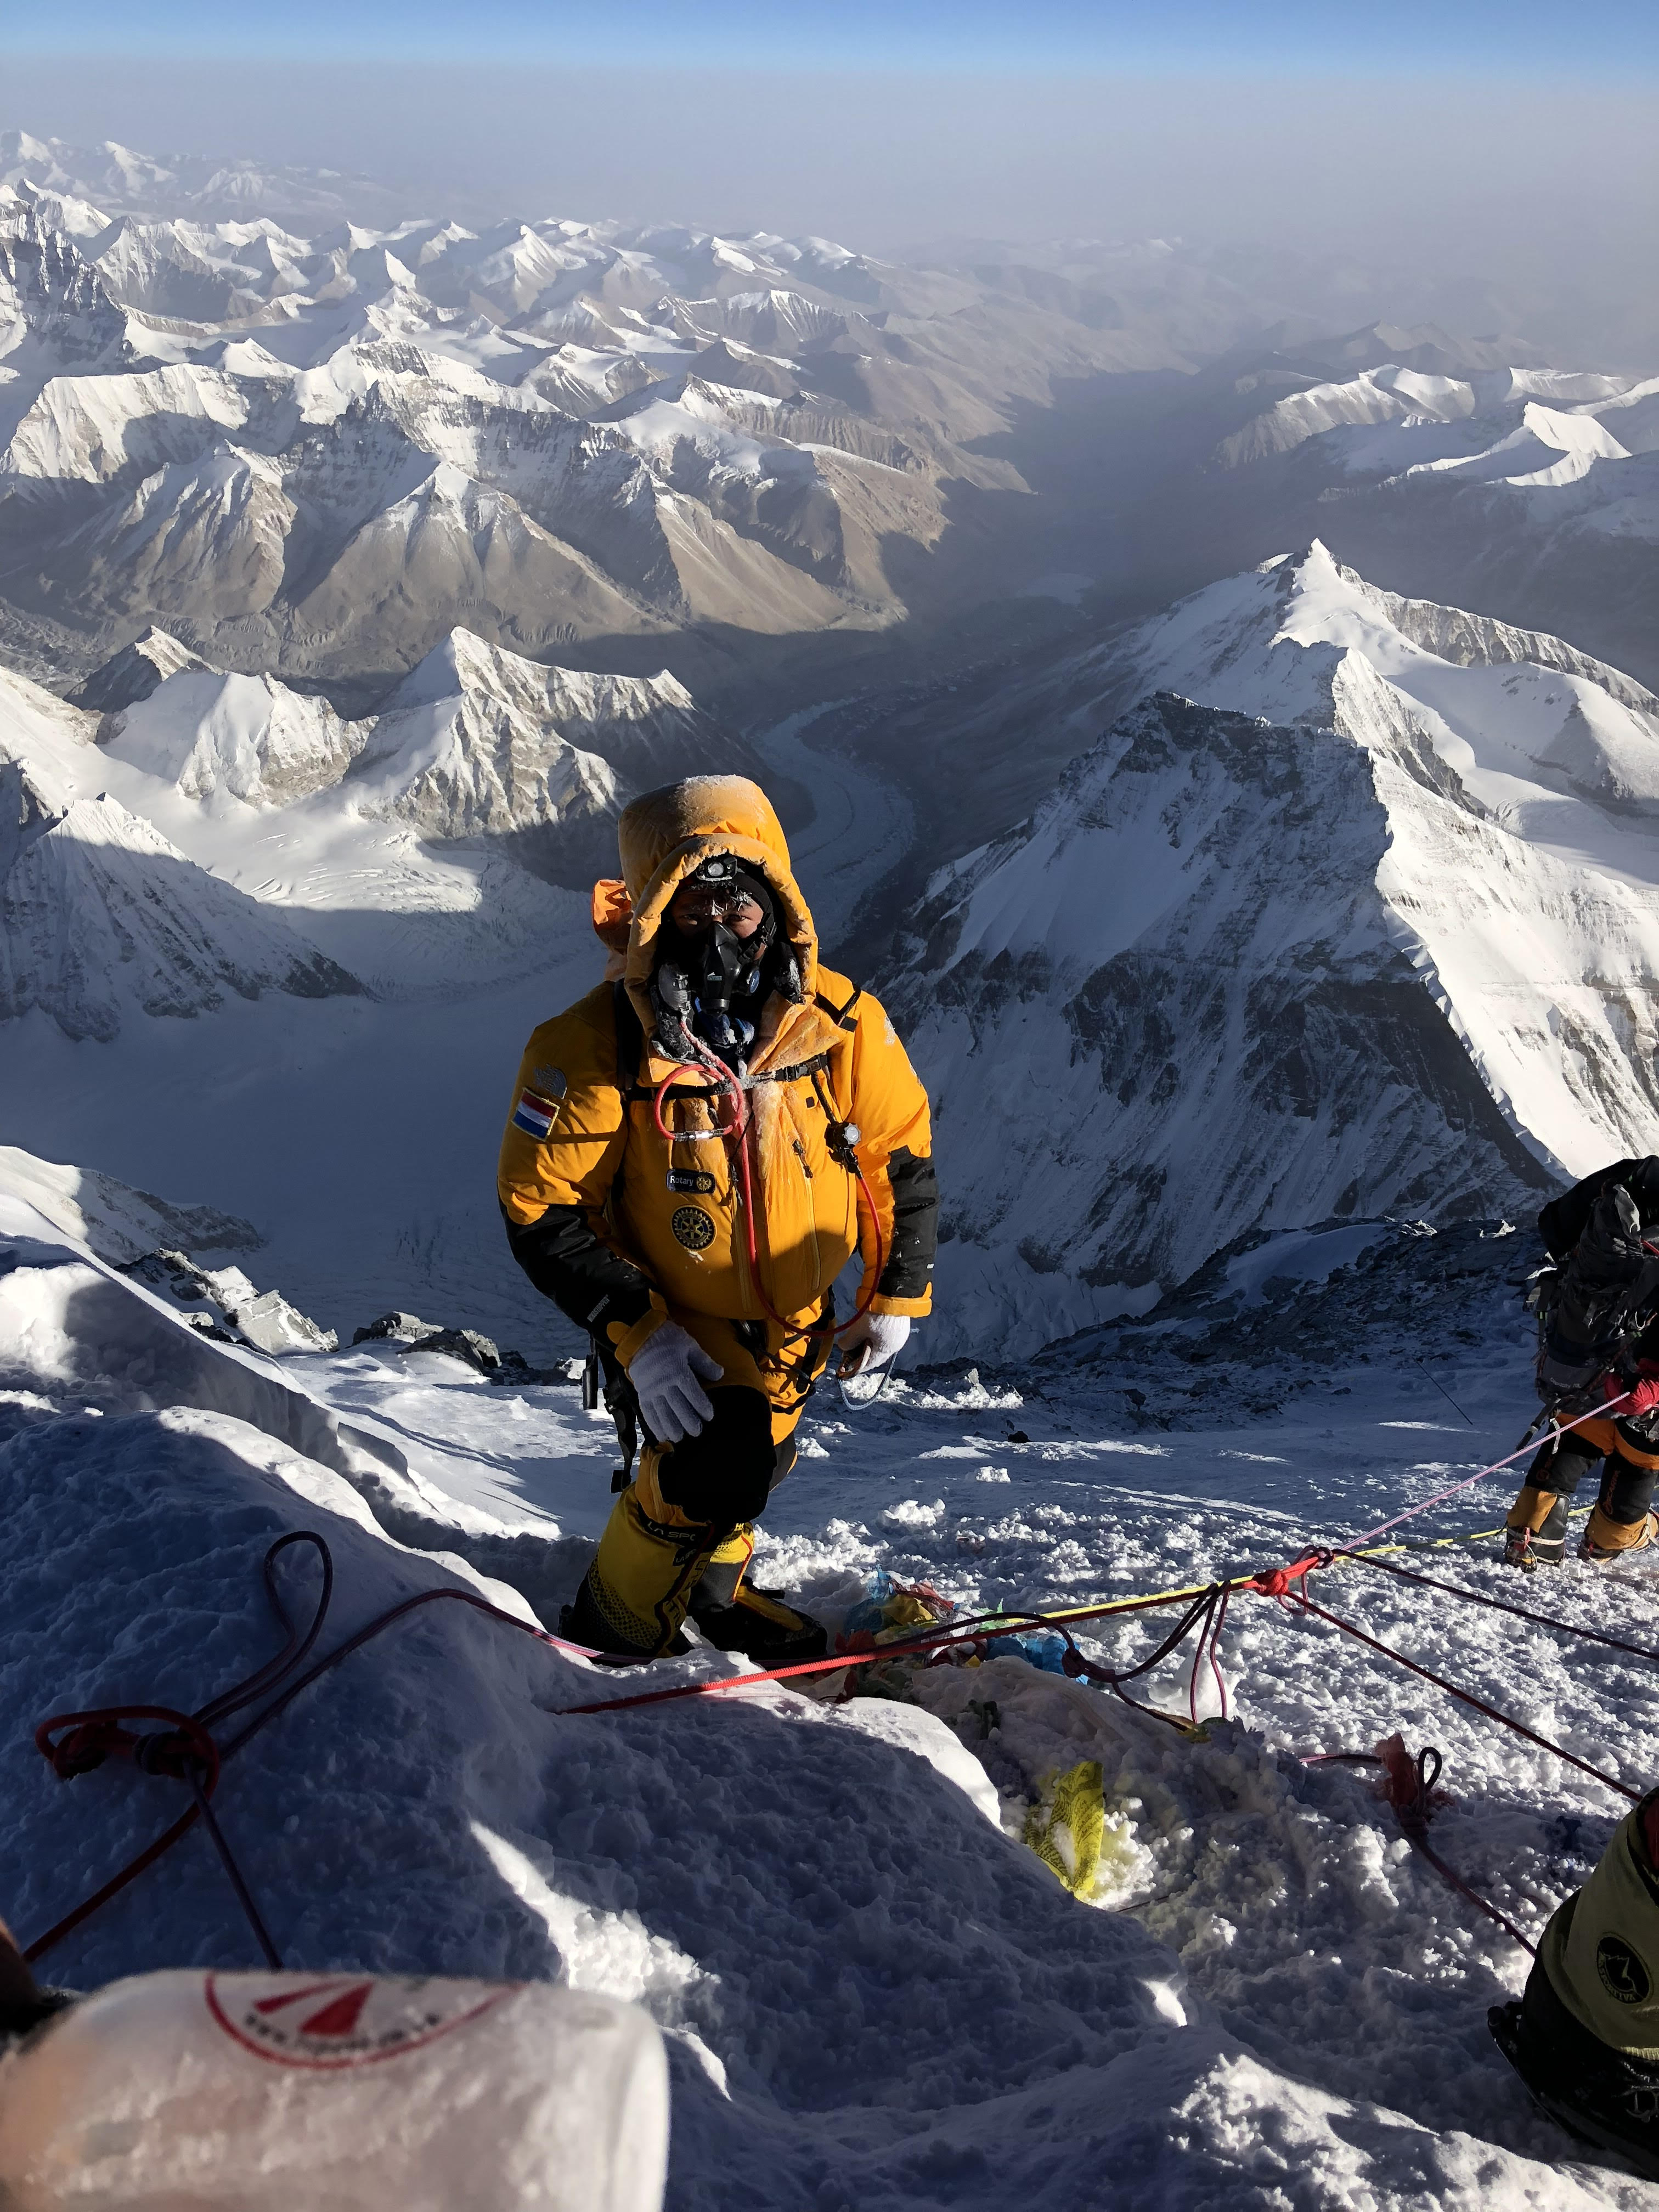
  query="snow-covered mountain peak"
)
[
  {"x": 1256, "y": 972},
  {"x": 466, "y": 663},
  {"x": 213, "y": 735},
  {"x": 479, "y": 741},
  {"x": 1520, "y": 724}
]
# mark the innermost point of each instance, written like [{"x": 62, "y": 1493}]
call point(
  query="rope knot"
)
[
  {"x": 1277, "y": 1581},
  {"x": 87, "y": 1746},
  {"x": 173, "y": 1752},
  {"x": 183, "y": 1751}
]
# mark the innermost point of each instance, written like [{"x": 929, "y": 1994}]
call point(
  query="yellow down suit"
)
[{"x": 625, "y": 1227}]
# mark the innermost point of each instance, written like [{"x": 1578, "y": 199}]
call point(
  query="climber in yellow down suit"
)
[{"x": 694, "y": 1152}]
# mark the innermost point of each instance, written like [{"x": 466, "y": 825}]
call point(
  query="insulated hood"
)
[{"x": 666, "y": 834}]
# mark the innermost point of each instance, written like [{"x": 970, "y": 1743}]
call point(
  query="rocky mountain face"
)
[{"x": 1384, "y": 942}]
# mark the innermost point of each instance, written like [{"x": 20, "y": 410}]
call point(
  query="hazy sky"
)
[
  {"x": 1605, "y": 38},
  {"x": 1514, "y": 137}
]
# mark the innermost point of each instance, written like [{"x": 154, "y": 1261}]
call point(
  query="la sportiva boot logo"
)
[
  {"x": 1623, "y": 1975},
  {"x": 342, "y": 2020}
]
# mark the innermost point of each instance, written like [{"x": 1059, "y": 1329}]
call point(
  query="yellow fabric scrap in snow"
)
[{"x": 1067, "y": 1825}]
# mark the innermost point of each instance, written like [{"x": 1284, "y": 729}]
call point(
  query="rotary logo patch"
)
[
  {"x": 342, "y": 2020},
  {"x": 693, "y": 1228},
  {"x": 690, "y": 1180}
]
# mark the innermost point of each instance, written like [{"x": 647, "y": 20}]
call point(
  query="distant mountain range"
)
[{"x": 317, "y": 450}]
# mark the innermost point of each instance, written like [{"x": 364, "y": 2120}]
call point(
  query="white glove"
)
[
  {"x": 664, "y": 1372},
  {"x": 872, "y": 1341}
]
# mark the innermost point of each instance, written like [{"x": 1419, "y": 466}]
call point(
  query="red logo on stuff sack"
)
[{"x": 342, "y": 2020}]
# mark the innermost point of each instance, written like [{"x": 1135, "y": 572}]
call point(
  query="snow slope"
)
[{"x": 874, "y": 1994}]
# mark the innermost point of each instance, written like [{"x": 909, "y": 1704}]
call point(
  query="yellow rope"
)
[{"x": 1243, "y": 1582}]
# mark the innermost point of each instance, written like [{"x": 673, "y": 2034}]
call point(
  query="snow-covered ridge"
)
[
  {"x": 474, "y": 741},
  {"x": 118, "y": 1224}
]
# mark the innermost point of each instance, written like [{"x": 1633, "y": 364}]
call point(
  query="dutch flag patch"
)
[{"x": 535, "y": 1116}]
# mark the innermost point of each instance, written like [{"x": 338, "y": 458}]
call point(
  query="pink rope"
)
[{"x": 1440, "y": 1495}]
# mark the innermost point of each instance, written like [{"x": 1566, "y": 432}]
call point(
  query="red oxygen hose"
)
[{"x": 736, "y": 1136}]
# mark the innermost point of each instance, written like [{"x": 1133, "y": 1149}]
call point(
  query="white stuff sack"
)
[{"x": 335, "y": 2093}]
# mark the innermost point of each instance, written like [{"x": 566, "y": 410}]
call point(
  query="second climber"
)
[{"x": 696, "y": 1150}]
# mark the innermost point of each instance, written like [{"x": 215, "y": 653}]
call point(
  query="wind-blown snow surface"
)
[
  {"x": 1393, "y": 947},
  {"x": 875, "y": 1996}
]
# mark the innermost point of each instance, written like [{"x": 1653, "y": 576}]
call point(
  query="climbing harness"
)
[{"x": 738, "y": 1133}]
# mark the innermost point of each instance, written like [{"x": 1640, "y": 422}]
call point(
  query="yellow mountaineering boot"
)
[
  {"x": 633, "y": 1598},
  {"x": 1535, "y": 1532},
  {"x": 1605, "y": 1539},
  {"x": 734, "y": 1616}
]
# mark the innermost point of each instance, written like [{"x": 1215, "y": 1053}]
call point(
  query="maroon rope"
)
[
  {"x": 1520, "y": 1612},
  {"x": 1468, "y": 1698}
]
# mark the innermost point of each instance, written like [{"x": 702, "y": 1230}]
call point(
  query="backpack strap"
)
[{"x": 844, "y": 1018}]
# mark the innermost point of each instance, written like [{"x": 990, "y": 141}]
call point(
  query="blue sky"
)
[{"x": 1605, "y": 40}]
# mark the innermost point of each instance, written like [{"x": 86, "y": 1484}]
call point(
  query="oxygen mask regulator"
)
[{"x": 730, "y": 976}]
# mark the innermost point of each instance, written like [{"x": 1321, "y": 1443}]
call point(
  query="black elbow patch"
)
[
  {"x": 569, "y": 1262},
  {"x": 915, "y": 1186}
]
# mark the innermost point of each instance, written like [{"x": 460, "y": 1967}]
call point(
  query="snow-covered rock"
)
[{"x": 118, "y": 1224}]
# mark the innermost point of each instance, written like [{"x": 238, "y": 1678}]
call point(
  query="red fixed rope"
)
[
  {"x": 76, "y": 1743},
  {"x": 1305, "y": 1604},
  {"x": 1520, "y": 1612}
]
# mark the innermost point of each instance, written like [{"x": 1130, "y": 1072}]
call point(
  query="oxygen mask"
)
[{"x": 721, "y": 926}]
